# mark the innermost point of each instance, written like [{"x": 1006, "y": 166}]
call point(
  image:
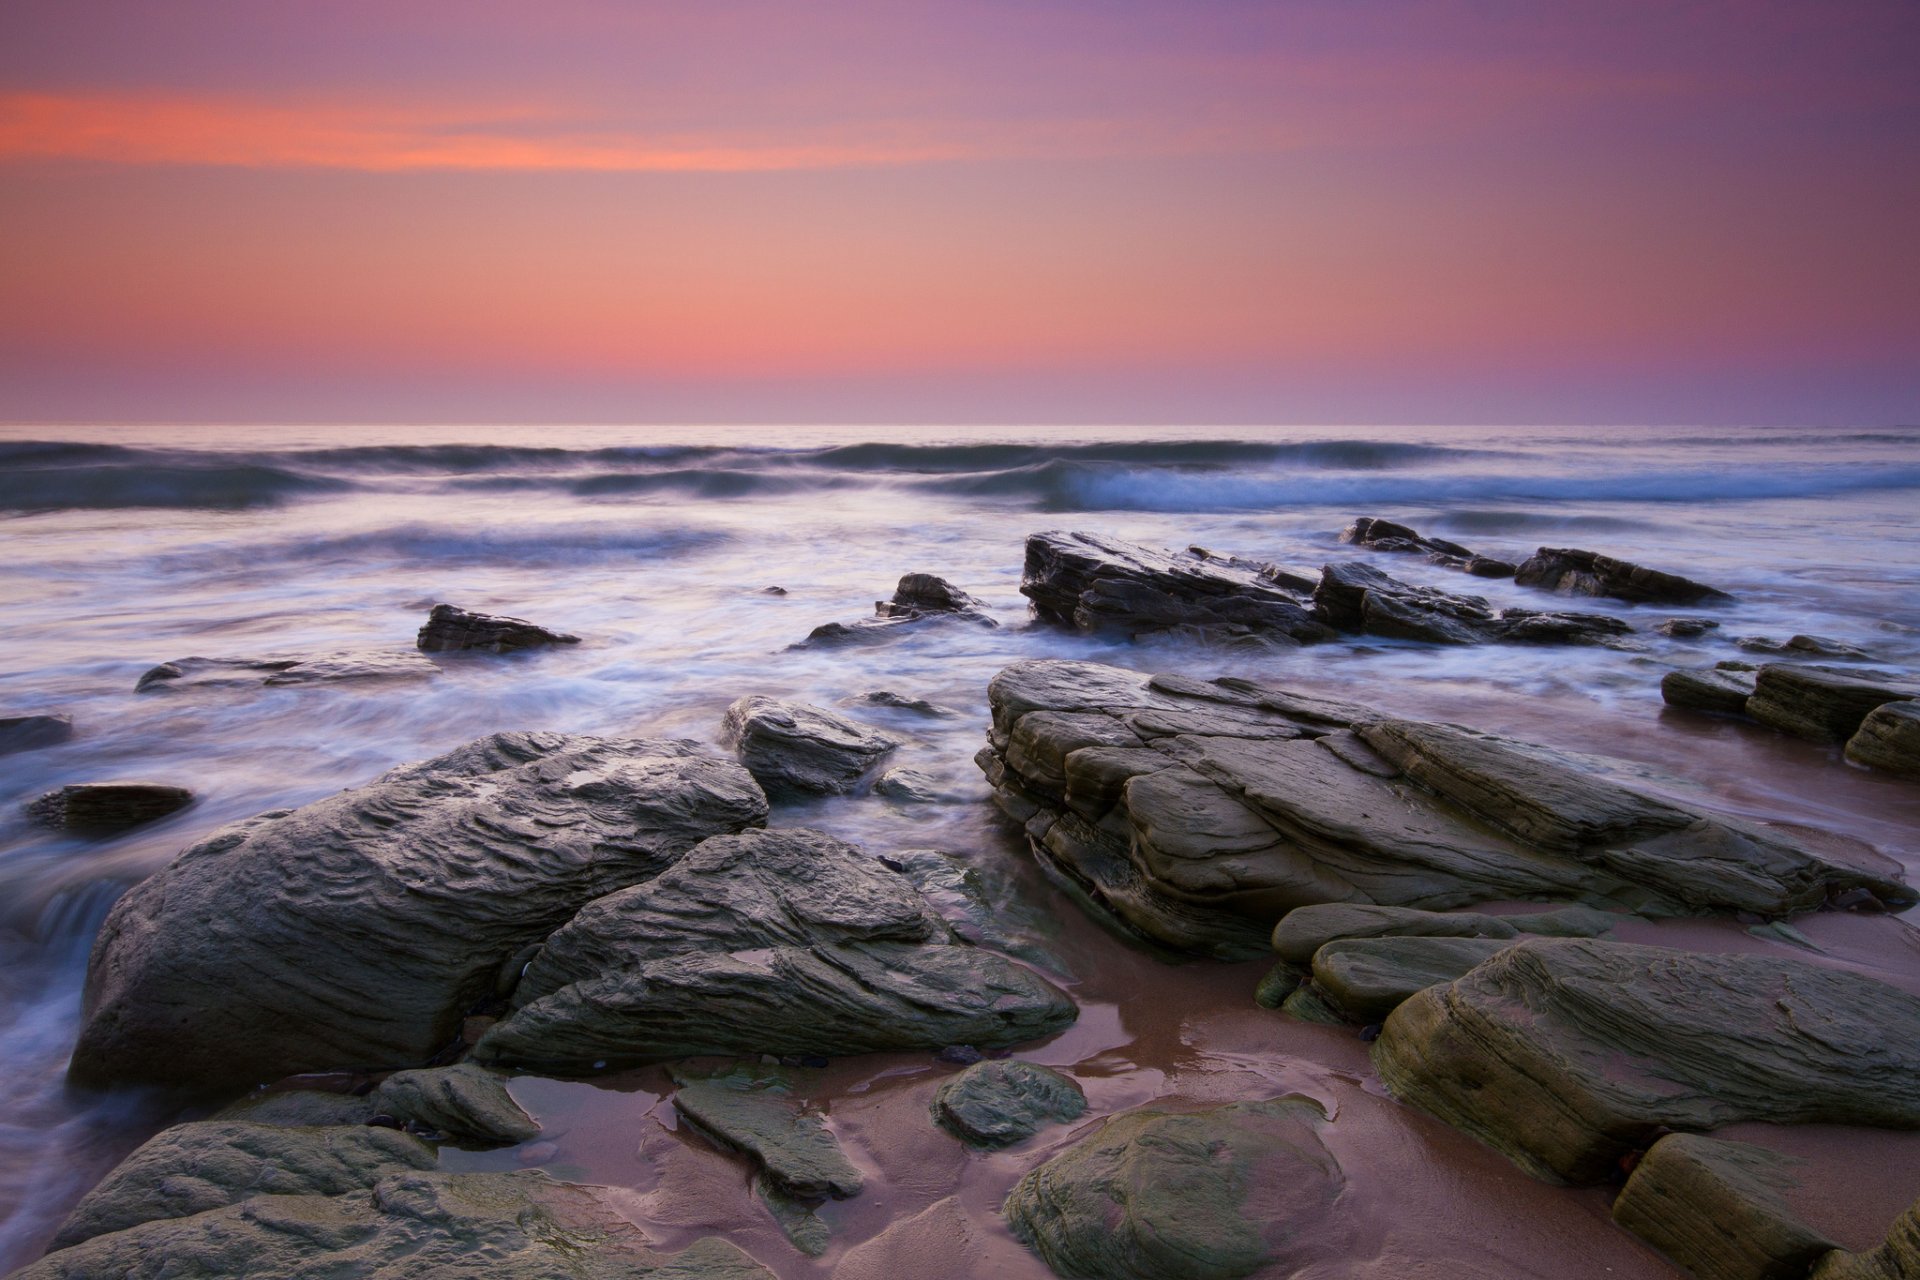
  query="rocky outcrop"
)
[
  {"x": 1571, "y": 571},
  {"x": 463, "y": 1102},
  {"x": 1376, "y": 534},
  {"x": 1359, "y": 598},
  {"x": 1889, "y": 739},
  {"x": 1820, "y": 703},
  {"x": 920, "y": 598},
  {"x": 781, "y": 942},
  {"x": 31, "y": 733},
  {"x": 1211, "y": 1194},
  {"x": 998, "y": 1103},
  {"x": 101, "y": 808},
  {"x": 359, "y": 930},
  {"x": 1718, "y": 689},
  {"x": 1567, "y": 1054},
  {"x": 1200, "y": 812},
  {"x": 1717, "y": 1209},
  {"x": 793, "y": 748},
  {"x": 1090, "y": 582},
  {"x": 1898, "y": 1258},
  {"x": 450, "y": 629},
  {"x": 754, "y": 1112},
  {"x": 238, "y": 673}
]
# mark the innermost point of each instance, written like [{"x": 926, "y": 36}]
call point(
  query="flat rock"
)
[
  {"x": 464, "y": 1102},
  {"x": 327, "y": 668},
  {"x": 31, "y": 733},
  {"x": 359, "y": 930},
  {"x": 1003, "y": 1101},
  {"x": 754, "y": 1112},
  {"x": 1889, "y": 739},
  {"x": 1571, "y": 571},
  {"x": 794, "y": 748},
  {"x": 1566, "y": 1054},
  {"x": 1304, "y": 931},
  {"x": 100, "y": 808},
  {"x": 1212, "y": 1194},
  {"x": 1717, "y": 1209},
  {"x": 1712, "y": 689},
  {"x": 1896, "y": 1259},
  {"x": 781, "y": 942},
  {"x": 1822, "y": 704},
  {"x": 1357, "y": 597},
  {"x": 1365, "y": 979},
  {"x": 450, "y": 629}
]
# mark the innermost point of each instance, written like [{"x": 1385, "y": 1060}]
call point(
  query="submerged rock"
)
[
  {"x": 1889, "y": 739},
  {"x": 1571, "y": 571},
  {"x": 792, "y": 747},
  {"x": 1376, "y": 534},
  {"x": 1687, "y": 628},
  {"x": 998, "y": 1103},
  {"x": 359, "y": 930},
  {"x": 1800, "y": 646},
  {"x": 1713, "y": 689},
  {"x": 1820, "y": 703},
  {"x": 1566, "y": 1054},
  {"x": 104, "y": 807},
  {"x": 465, "y": 1102},
  {"x": 1357, "y": 597},
  {"x": 1716, "y": 1209},
  {"x": 902, "y": 702},
  {"x": 909, "y": 786},
  {"x": 754, "y": 1112},
  {"x": 30, "y": 733},
  {"x": 920, "y": 598},
  {"x": 450, "y": 629},
  {"x": 328, "y": 668}
]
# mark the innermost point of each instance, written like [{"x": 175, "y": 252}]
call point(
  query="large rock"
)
[
  {"x": 327, "y": 668},
  {"x": 30, "y": 733},
  {"x": 1091, "y": 582},
  {"x": 1823, "y": 704},
  {"x": 1213, "y": 1194},
  {"x": 1889, "y": 739},
  {"x": 1717, "y": 1209},
  {"x": 1588, "y": 573},
  {"x": 447, "y": 1226},
  {"x": 464, "y": 1102},
  {"x": 755, "y": 1112},
  {"x": 450, "y": 629},
  {"x": 782, "y": 942},
  {"x": 998, "y": 1103},
  {"x": 101, "y": 808},
  {"x": 1566, "y": 1054},
  {"x": 359, "y": 930},
  {"x": 1357, "y": 597},
  {"x": 1714, "y": 689},
  {"x": 1201, "y": 812},
  {"x": 793, "y": 748},
  {"x": 1898, "y": 1258}
]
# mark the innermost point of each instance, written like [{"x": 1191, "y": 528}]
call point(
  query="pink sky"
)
[{"x": 1128, "y": 212}]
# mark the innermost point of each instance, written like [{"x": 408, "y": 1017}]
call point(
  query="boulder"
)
[
  {"x": 781, "y": 942},
  {"x": 359, "y": 930},
  {"x": 754, "y": 1112},
  {"x": 1304, "y": 931},
  {"x": 1365, "y": 979},
  {"x": 1566, "y": 1054},
  {"x": 101, "y": 808},
  {"x": 1712, "y": 689},
  {"x": 1889, "y": 739},
  {"x": 1820, "y": 703},
  {"x": 1898, "y": 1258},
  {"x": 998, "y": 1103},
  {"x": 1090, "y": 582},
  {"x": 1211, "y": 1194},
  {"x": 328, "y": 668},
  {"x": 920, "y": 598},
  {"x": 464, "y": 1102},
  {"x": 1716, "y": 1208},
  {"x": 449, "y": 1226},
  {"x": 793, "y": 748},
  {"x": 1571, "y": 571},
  {"x": 30, "y": 733},
  {"x": 450, "y": 629},
  {"x": 1357, "y": 597}
]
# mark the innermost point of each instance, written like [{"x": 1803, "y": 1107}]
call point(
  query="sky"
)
[{"x": 1203, "y": 211}]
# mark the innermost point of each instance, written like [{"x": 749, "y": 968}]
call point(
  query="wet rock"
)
[
  {"x": 1896, "y": 1259},
  {"x": 31, "y": 733},
  {"x": 1090, "y": 582},
  {"x": 1363, "y": 980},
  {"x": 330, "y": 668},
  {"x": 1211, "y": 1194},
  {"x": 1304, "y": 931},
  {"x": 1889, "y": 739},
  {"x": 755, "y": 1113},
  {"x": 488, "y": 1226},
  {"x": 925, "y": 593},
  {"x": 901, "y": 702},
  {"x": 208, "y": 1164},
  {"x": 465, "y": 1102},
  {"x": 450, "y": 629},
  {"x": 909, "y": 786},
  {"x": 1821, "y": 704},
  {"x": 1687, "y": 628},
  {"x": 773, "y": 591},
  {"x": 778, "y": 942},
  {"x": 1357, "y": 597},
  {"x": 360, "y": 930},
  {"x": 1571, "y": 571},
  {"x": 101, "y": 808},
  {"x": 792, "y": 747},
  {"x": 920, "y": 598},
  {"x": 1566, "y": 1054},
  {"x": 996, "y": 1104},
  {"x": 1716, "y": 1208},
  {"x": 1376, "y": 534},
  {"x": 1200, "y": 812},
  {"x": 1800, "y": 646},
  {"x": 1712, "y": 689}
]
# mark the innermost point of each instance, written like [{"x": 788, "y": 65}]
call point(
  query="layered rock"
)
[
  {"x": 1571, "y": 571},
  {"x": 1304, "y": 931},
  {"x": 781, "y": 942},
  {"x": 450, "y": 629},
  {"x": 755, "y": 1113},
  {"x": 464, "y": 1102},
  {"x": 1719, "y": 689},
  {"x": 360, "y": 929},
  {"x": 1376, "y": 534},
  {"x": 794, "y": 748},
  {"x": 1567, "y": 1054},
  {"x": 100, "y": 808},
  {"x": 1200, "y": 812},
  {"x": 1820, "y": 703},
  {"x": 1717, "y": 1208},
  {"x": 1357, "y": 597},
  {"x": 920, "y": 598},
  {"x": 31, "y": 733},
  {"x": 1889, "y": 739},
  {"x": 1365, "y": 979},
  {"x": 329, "y": 668},
  {"x": 998, "y": 1103}
]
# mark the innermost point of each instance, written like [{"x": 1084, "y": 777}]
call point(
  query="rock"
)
[
  {"x": 998, "y": 1103},
  {"x": 754, "y": 1112},
  {"x": 1364, "y": 979},
  {"x": 30, "y": 733},
  {"x": 1687, "y": 628},
  {"x": 450, "y": 629},
  {"x": 901, "y": 702},
  {"x": 1897, "y": 1259},
  {"x": 1709, "y": 690},
  {"x": 465, "y": 1102},
  {"x": 1357, "y": 597},
  {"x": 1304, "y": 931},
  {"x": 1478, "y": 566},
  {"x": 448, "y": 1226},
  {"x": 327, "y": 668},
  {"x": 1822, "y": 704},
  {"x": 773, "y": 591},
  {"x": 910, "y": 786},
  {"x": 1716, "y": 1209},
  {"x": 1800, "y": 646},
  {"x": 209, "y": 1164},
  {"x": 1376, "y": 534},
  {"x": 1889, "y": 739},
  {"x": 920, "y": 598},
  {"x": 1212, "y": 1194},
  {"x": 1090, "y": 582},
  {"x": 791, "y": 747},
  {"x": 1565, "y": 1054},
  {"x": 1201, "y": 812},
  {"x": 925, "y": 593},
  {"x": 781, "y": 942},
  {"x": 358, "y": 931},
  {"x": 100, "y": 808},
  {"x": 1587, "y": 573},
  {"x": 300, "y": 1108}
]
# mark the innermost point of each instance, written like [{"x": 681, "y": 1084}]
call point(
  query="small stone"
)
[
  {"x": 960, "y": 1055},
  {"x": 773, "y": 591},
  {"x": 996, "y": 1104},
  {"x": 1687, "y": 628},
  {"x": 451, "y": 629}
]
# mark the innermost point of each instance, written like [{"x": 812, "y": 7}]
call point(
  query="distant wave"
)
[
  {"x": 538, "y": 544},
  {"x": 144, "y": 484}
]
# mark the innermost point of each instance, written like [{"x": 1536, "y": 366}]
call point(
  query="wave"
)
[
  {"x": 96, "y": 486},
  {"x": 417, "y": 543}
]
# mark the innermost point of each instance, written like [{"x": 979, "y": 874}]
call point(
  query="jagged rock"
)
[
  {"x": 1092, "y": 582},
  {"x": 1212, "y": 1194},
  {"x": 208, "y": 1164},
  {"x": 1376, "y": 534},
  {"x": 104, "y": 807},
  {"x": 920, "y": 598},
  {"x": 1712, "y": 689},
  {"x": 1357, "y": 597},
  {"x": 901, "y": 702},
  {"x": 328, "y": 668},
  {"x": 359, "y": 930},
  {"x": 30, "y": 733},
  {"x": 1477, "y": 566},
  {"x": 449, "y": 1226},
  {"x": 1716, "y": 1208},
  {"x": 782, "y": 942},
  {"x": 998, "y": 1103},
  {"x": 1567, "y": 1053},
  {"x": 1687, "y": 628},
  {"x": 1201, "y": 812},
  {"x": 1889, "y": 739},
  {"x": 1304, "y": 931},
  {"x": 1587, "y": 573},
  {"x": 450, "y": 629},
  {"x": 1365, "y": 979},
  {"x": 1800, "y": 646},
  {"x": 1822, "y": 704},
  {"x": 1898, "y": 1258},
  {"x": 754, "y": 1112},
  {"x": 791, "y": 747},
  {"x": 465, "y": 1102},
  {"x": 925, "y": 593}
]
